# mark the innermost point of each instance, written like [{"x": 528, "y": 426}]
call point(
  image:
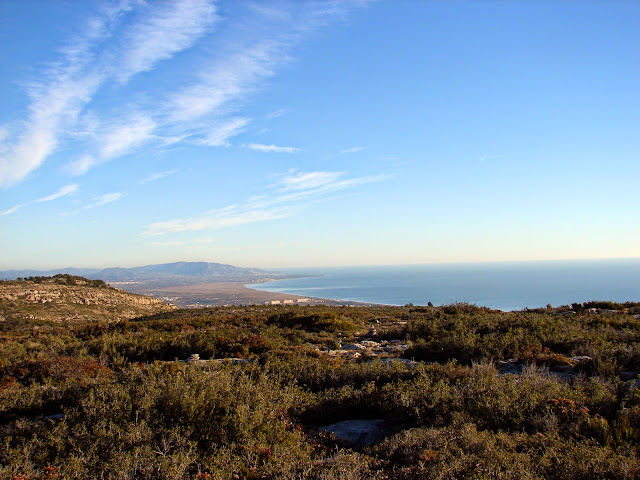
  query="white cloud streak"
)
[
  {"x": 352, "y": 150},
  {"x": 105, "y": 199},
  {"x": 51, "y": 110},
  {"x": 11, "y": 210},
  {"x": 283, "y": 200},
  {"x": 66, "y": 190},
  {"x": 81, "y": 165},
  {"x": 121, "y": 139},
  {"x": 174, "y": 27},
  {"x": 57, "y": 100},
  {"x": 239, "y": 71},
  {"x": 229, "y": 78},
  {"x": 215, "y": 219},
  {"x": 219, "y": 134},
  {"x": 115, "y": 140},
  {"x": 130, "y": 38},
  {"x": 276, "y": 114},
  {"x": 157, "y": 176},
  {"x": 73, "y": 80},
  {"x": 272, "y": 148},
  {"x": 308, "y": 180}
]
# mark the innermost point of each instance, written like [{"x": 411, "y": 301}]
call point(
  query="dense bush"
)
[
  {"x": 65, "y": 279},
  {"x": 109, "y": 400}
]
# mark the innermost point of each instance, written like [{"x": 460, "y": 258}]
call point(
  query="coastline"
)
[
  {"x": 501, "y": 286},
  {"x": 234, "y": 293},
  {"x": 315, "y": 300},
  {"x": 300, "y": 300},
  {"x": 507, "y": 286}
]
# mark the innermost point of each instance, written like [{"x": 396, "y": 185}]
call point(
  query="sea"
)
[{"x": 502, "y": 285}]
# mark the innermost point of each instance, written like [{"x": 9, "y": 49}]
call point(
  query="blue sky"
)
[{"x": 282, "y": 134}]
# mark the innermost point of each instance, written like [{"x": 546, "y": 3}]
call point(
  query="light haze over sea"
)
[{"x": 504, "y": 285}]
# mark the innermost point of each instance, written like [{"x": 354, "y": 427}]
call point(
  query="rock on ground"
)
[{"x": 356, "y": 433}]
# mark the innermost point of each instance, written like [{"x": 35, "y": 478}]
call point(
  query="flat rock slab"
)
[
  {"x": 356, "y": 433},
  {"x": 400, "y": 361}
]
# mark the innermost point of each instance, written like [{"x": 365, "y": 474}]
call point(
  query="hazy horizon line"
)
[{"x": 462, "y": 262}]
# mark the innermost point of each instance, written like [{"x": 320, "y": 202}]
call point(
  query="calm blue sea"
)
[{"x": 505, "y": 286}]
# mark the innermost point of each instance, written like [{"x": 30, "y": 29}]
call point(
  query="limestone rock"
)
[{"x": 357, "y": 433}]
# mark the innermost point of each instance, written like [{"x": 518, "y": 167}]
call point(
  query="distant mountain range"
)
[{"x": 162, "y": 274}]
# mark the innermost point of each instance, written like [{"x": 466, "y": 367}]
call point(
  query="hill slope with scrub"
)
[
  {"x": 66, "y": 297},
  {"x": 255, "y": 392}
]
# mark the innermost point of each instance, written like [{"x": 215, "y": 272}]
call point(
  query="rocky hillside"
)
[{"x": 83, "y": 300}]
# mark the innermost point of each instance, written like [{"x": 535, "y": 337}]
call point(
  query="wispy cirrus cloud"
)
[
  {"x": 272, "y": 148},
  {"x": 115, "y": 140},
  {"x": 89, "y": 60},
  {"x": 11, "y": 210},
  {"x": 233, "y": 75},
  {"x": 56, "y": 100},
  {"x": 120, "y": 139},
  {"x": 157, "y": 176},
  {"x": 215, "y": 219},
  {"x": 173, "y": 27},
  {"x": 200, "y": 103},
  {"x": 306, "y": 181},
  {"x": 240, "y": 69},
  {"x": 276, "y": 114},
  {"x": 297, "y": 186},
  {"x": 104, "y": 200},
  {"x": 220, "y": 133},
  {"x": 81, "y": 165},
  {"x": 282, "y": 199},
  {"x": 66, "y": 190},
  {"x": 351, "y": 150},
  {"x": 52, "y": 109},
  {"x": 493, "y": 157}
]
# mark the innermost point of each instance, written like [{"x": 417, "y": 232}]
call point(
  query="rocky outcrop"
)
[
  {"x": 563, "y": 372},
  {"x": 26, "y": 300},
  {"x": 60, "y": 294},
  {"x": 384, "y": 349},
  {"x": 357, "y": 433}
]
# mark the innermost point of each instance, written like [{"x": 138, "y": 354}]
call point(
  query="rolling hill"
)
[
  {"x": 71, "y": 298},
  {"x": 165, "y": 274}
]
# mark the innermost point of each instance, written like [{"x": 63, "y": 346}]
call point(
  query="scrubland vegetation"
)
[
  {"x": 63, "y": 279},
  {"x": 114, "y": 400}
]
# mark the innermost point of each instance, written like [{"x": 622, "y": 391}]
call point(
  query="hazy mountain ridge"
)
[
  {"x": 165, "y": 273},
  {"x": 14, "y": 273}
]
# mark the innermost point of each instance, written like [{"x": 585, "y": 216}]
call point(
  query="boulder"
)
[
  {"x": 510, "y": 366},
  {"x": 580, "y": 359},
  {"x": 563, "y": 373},
  {"x": 633, "y": 383},
  {"x": 357, "y": 433},
  {"x": 403, "y": 361}
]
